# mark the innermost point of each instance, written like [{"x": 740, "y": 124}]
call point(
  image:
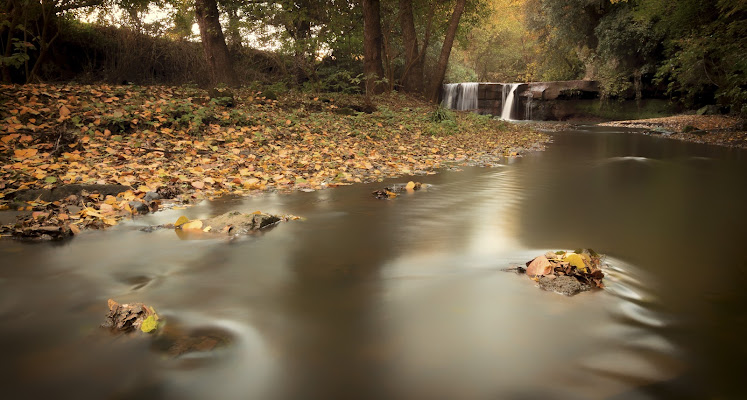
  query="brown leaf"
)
[
  {"x": 539, "y": 266},
  {"x": 198, "y": 184}
]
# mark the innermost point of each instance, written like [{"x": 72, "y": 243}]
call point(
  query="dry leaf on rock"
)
[{"x": 539, "y": 266}]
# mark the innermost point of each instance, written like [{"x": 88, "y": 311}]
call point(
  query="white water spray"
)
[
  {"x": 460, "y": 96},
  {"x": 509, "y": 92}
]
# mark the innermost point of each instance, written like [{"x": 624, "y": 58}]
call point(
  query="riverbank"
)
[
  {"x": 170, "y": 146},
  {"x": 720, "y": 130}
]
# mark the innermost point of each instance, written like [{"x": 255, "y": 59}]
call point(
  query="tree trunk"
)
[
  {"x": 443, "y": 59},
  {"x": 412, "y": 77},
  {"x": 372, "y": 67},
  {"x": 44, "y": 45},
  {"x": 220, "y": 65},
  {"x": 14, "y": 10}
]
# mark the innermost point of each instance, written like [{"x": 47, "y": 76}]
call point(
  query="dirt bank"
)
[
  {"x": 179, "y": 145},
  {"x": 712, "y": 129}
]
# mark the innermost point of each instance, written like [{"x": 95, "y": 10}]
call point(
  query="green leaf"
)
[
  {"x": 150, "y": 324},
  {"x": 50, "y": 179}
]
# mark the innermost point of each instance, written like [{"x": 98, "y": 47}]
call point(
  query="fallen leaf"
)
[
  {"x": 25, "y": 153},
  {"x": 576, "y": 260},
  {"x": 181, "y": 221},
  {"x": 198, "y": 184},
  {"x": 192, "y": 225},
  {"x": 539, "y": 266},
  {"x": 149, "y": 324}
]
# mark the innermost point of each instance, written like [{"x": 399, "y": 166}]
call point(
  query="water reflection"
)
[{"x": 406, "y": 298}]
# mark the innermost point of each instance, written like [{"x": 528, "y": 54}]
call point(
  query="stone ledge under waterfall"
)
[{"x": 521, "y": 101}]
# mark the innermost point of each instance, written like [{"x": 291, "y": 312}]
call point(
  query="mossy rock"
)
[
  {"x": 222, "y": 96},
  {"x": 269, "y": 94}
]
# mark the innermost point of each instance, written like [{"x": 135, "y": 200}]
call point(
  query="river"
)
[{"x": 406, "y": 298}]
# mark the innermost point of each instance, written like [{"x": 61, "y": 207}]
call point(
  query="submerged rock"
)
[
  {"x": 393, "y": 191},
  {"x": 562, "y": 285},
  {"x": 566, "y": 272},
  {"x": 127, "y": 318},
  {"x": 237, "y": 223},
  {"x": 233, "y": 223}
]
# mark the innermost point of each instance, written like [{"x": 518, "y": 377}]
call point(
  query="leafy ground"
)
[
  {"x": 712, "y": 129},
  {"x": 185, "y": 146}
]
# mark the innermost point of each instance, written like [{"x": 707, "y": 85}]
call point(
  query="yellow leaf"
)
[
  {"x": 181, "y": 221},
  {"x": 149, "y": 324},
  {"x": 576, "y": 260},
  {"x": 207, "y": 229},
  {"x": 110, "y": 221},
  {"x": 410, "y": 185},
  {"x": 192, "y": 225}
]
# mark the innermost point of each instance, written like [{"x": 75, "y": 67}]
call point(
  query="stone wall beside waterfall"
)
[{"x": 559, "y": 100}]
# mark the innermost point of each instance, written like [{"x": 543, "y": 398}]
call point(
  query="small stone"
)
[
  {"x": 139, "y": 206},
  {"x": 150, "y": 196}
]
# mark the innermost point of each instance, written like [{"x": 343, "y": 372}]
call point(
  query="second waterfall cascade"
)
[{"x": 464, "y": 96}]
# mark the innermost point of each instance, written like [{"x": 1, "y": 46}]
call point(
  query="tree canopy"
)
[{"x": 692, "y": 51}]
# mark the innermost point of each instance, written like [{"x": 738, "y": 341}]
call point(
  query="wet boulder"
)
[
  {"x": 393, "y": 191},
  {"x": 564, "y": 285},
  {"x": 128, "y": 318},
  {"x": 233, "y": 223},
  {"x": 566, "y": 272}
]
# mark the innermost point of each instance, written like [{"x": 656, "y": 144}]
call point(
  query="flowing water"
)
[
  {"x": 509, "y": 91},
  {"x": 460, "y": 96},
  {"x": 406, "y": 299}
]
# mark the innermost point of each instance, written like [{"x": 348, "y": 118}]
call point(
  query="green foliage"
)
[
  {"x": 19, "y": 55},
  {"x": 441, "y": 114},
  {"x": 705, "y": 49},
  {"x": 443, "y": 122}
]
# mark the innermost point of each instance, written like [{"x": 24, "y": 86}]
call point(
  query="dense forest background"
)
[{"x": 691, "y": 51}]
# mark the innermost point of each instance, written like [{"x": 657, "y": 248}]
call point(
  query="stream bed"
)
[{"x": 407, "y": 298}]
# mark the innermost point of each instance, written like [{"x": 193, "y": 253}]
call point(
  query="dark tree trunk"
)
[
  {"x": 412, "y": 77},
  {"x": 372, "y": 67},
  {"x": 44, "y": 45},
  {"x": 443, "y": 59},
  {"x": 220, "y": 65},
  {"x": 15, "y": 16}
]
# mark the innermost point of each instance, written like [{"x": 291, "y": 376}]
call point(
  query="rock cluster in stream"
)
[{"x": 566, "y": 273}]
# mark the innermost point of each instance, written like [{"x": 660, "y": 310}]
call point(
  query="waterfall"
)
[
  {"x": 528, "y": 109},
  {"x": 508, "y": 100},
  {"x": 449, "y": 95},
  {"x": 460, "y": 96}
]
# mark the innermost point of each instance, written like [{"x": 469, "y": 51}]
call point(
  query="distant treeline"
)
[{"x": 693, "y": 52}]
